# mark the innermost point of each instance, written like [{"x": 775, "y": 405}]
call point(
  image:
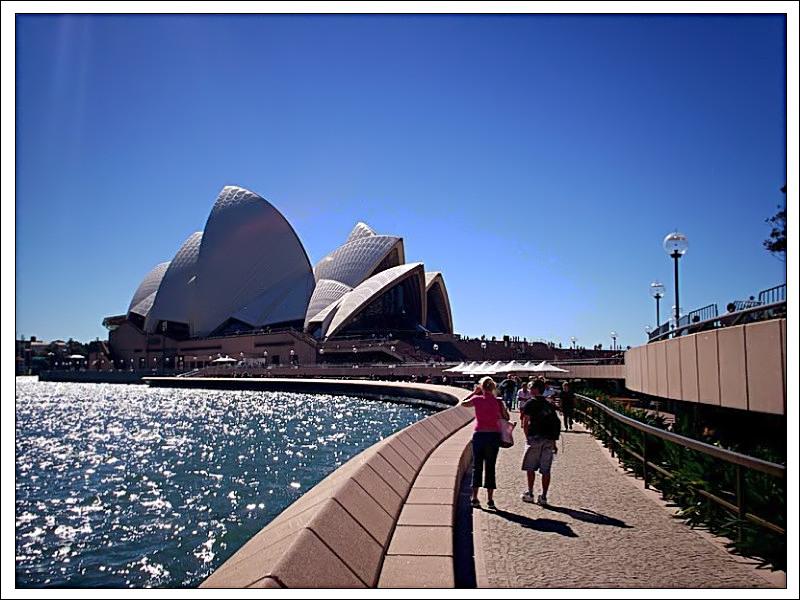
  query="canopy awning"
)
[{"x": 224, "y": 359}]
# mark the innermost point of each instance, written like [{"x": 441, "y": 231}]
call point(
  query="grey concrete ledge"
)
[
  {"x": 338, "y": 534},
  {"x": 385, "y": 390}
]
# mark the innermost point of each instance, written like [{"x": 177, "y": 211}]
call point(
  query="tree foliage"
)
[{"x": 776, "y": 243}]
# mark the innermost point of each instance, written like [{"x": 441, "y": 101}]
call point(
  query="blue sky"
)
[{"x": 538, "y": 161}]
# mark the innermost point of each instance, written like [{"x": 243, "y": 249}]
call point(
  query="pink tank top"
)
[{"x": 487, "y": 412}]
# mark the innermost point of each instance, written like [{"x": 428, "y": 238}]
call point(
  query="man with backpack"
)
[{"x": 542, "y": 428}]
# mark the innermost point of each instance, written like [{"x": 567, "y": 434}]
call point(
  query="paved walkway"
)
[{"x": 601, "y": 531}]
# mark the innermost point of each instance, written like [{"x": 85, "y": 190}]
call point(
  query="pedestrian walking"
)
[
  {"x": 485, "y": 438},
  {"x": 524, "y": 395},
  {"x": 567, "y": 401},
  {"x": 542, "y": 428},
  {"x": 508, "y": 389}
]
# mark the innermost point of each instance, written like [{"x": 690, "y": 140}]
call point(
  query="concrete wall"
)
[
  {"x": 741, "y": 367},
  {"x": 593, "y": 372}
]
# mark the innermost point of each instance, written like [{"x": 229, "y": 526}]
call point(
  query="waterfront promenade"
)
[{"x": 603, "y": 529}]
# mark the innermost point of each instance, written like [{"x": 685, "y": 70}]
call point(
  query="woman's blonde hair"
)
[{"x": 487, "y": 384}]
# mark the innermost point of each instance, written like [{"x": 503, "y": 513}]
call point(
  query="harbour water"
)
[{"x": 130, "y": 486}]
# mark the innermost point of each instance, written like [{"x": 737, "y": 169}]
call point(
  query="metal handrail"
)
[
  {"x": 740, "y": 461},
  {"x": 730, "y": 456},
  {"x": 773, "y": 294},
  {"x": 715, "y": 322}
]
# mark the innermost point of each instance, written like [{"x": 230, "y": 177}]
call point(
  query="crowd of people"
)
[{"x": 536, "y": 401}]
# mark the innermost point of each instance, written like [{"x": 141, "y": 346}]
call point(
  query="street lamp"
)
[
  {"x": 657, "y": 292},
  {"x": 613, "y": 340},
  {"x": 573, "y": 340},
  {"x": 291, "y": 356},
  {"x": 675, "y": 245}
]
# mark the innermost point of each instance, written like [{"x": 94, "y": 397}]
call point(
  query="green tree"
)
[{"x": 776, "y": 243}]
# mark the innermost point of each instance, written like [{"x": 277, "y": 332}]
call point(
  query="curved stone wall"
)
[{"x": 339, "y": 532}]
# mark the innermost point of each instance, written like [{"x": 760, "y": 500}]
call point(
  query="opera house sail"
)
[{"x": 248, "y": 272}]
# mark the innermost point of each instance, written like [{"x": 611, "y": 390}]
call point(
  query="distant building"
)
[{"x": 246, "y": 279}]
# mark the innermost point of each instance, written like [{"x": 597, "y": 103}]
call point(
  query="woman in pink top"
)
[{"x": 486, "y": 438}]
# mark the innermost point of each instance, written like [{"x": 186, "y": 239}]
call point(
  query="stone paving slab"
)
[{"x": 601, "y": 530}]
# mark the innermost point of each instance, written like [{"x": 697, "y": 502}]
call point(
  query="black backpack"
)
[{"x": 546, "y": 422}]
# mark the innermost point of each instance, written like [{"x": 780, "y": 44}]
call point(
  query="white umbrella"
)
[
  {"x": 76, "y": 357},
  {"x": 509, "y": 367},
  {"x": 492, "y": 369},
  {"x": 528, "y": 367},
  {"x": 456, "y": 369},
  {"x": 546, "y": 367},
  {"x": 477, "y": 369},
  {"x": 224, "y": 359}
]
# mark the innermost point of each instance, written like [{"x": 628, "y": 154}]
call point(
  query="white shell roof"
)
[
  {"x": 353, "y": 302},
  {"x": 356, "y": 260},
  {"x": 324, "y": 317},
  {"x": 143, "y": 308},
  {"x": 174, "y": 298},
  {"x": 250, "y": 263},
  {"x": 146, "y": 288},
  {"x": 434, "y": 284},
  {"x": 360, "y": 230},
  {"x": 327, "y": 292}
]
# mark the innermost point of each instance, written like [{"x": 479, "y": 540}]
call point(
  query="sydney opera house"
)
[{"x": 244, "y": 287}]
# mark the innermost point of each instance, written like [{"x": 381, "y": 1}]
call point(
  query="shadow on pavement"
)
[
  {"x": 546, "y": 525},
  {"x": 463, "y": 548},
  {"x": 588, "y": 516}
]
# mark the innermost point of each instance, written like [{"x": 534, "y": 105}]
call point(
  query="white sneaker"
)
[
  {"x": 527, "y": 497},
  {"x": 542, "y": 500}
]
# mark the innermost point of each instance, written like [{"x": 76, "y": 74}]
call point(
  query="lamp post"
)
[
  {"x": 291, "y": 356},
  {"x": 483, "y": 348},
  {"x": 613, "y": 340},
  {"x": 675, "y": 245},
  {"x": 573, "y": 341},
  {"x": 657, "y": 292}
]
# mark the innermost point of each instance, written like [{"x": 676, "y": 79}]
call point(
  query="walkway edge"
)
[{"x": 771, "y": 578}]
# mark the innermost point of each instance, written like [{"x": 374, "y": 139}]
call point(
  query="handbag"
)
[
  {"x": 506, "y": 432},
  {"x": 506, "y": 429}
]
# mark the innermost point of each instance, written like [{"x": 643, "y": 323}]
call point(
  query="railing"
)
[
  {"x": 745, "y": 304},
  {"x": 611, "y": 360},
  {"x": 739, "y": 317},
  {"x": 659, "y": 331},
  {"x": 602, "y": 417},
  {"x": 703, "y": 314},
  {"x": 773, "y": 295}
]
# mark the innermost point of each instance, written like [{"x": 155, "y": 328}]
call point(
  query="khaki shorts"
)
[{"x": 539, "y": 455}]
